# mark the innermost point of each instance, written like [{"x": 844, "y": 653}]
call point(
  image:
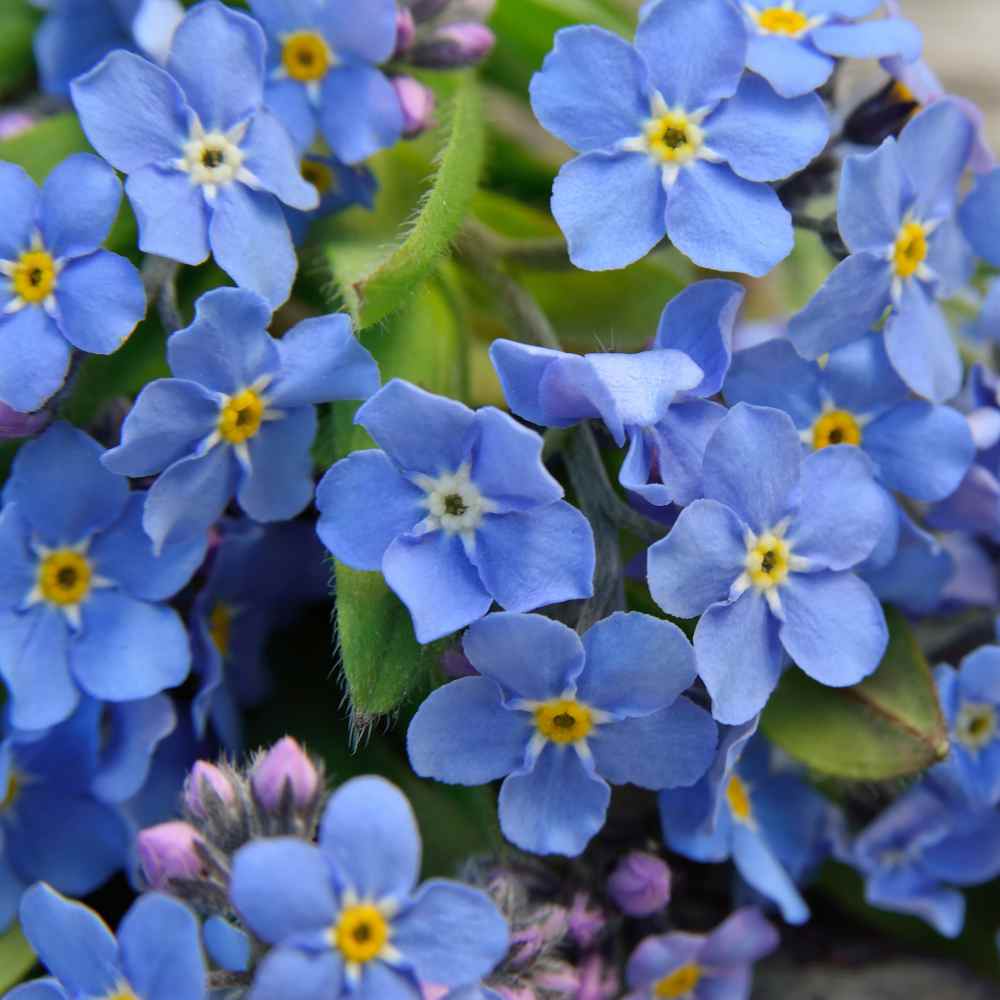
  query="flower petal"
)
[
  {"x": 755, "y": 861},
  {"x": 286, "y": 972},
  {"x": 171, "y": 213},
  {"x": 289, "y": 100},
  {"x": 271, "y": 158},
  {"x": 745, "y": 936},
  {"x": 360, "y": 112},
  {"x": 887, "y": 36},
  {"x": 680, "y": 440},
  {"x": 79, "y": 203},
  {"x": 371, "y": 38},
  {"x": 20, "y": 201},
  {"x": 774, "y": 374},
  {"x": 280, "y": 485},
  {"x": 135, "y": 729},
  {"x": 792, "y": 66},
  {"x": 980, "y": 217},
  {"x": 34, "y": 360},
  {"x": 875, "y": 193}
]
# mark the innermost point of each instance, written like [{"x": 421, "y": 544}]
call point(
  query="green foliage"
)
[
  {"x": 18, "y": 21},
  {"x": 16, "y": 958},
  {"x": 888, "y": 726}
]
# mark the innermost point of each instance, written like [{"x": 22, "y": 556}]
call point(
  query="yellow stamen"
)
[
  {"x": 902, "y": 94},
  {"x": 10, "y": 792},
  {"x": 678, "y": 983},
  {"x": 121, "y": 992},
  {"x": 738, "y": 799},
  {"x": 836, "y": 427},
  {"x": 306, "y": 56},
  {"x": 782, "y": 21},
  {"x": 673, "y": 137},
  {"x": 564, "y": 720},
  {"x": 910, "y": 249},
  {"x": 35, "y": 276},
  {"x": 976, "y": 725},
  {"x": 220, "y": 627},
  {"x": 319, "y": 175},
  {"x": 360, "y": 934},
  {"x": 241, "y": 416},
  {"x": 64, "y": 577},
  {"x": 768, "y": 561}
]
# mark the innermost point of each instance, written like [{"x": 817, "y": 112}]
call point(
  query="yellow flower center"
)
[
  {"x": 121, "y": 992},
  {"x": 673, "y": 137},
  {"x": 768, "y": 560},
  {"x": 902, "y": 94},
  {"x": 220, "y": 627},
  {"x": 319, "y": 175},
  {"x": 976, "y": 725},
  {"x": 241, "y": 416},
  {"x": 564, "y": 720},
  {"x": 361, "y": 932},
  {"x": 782, "y": 21},
  {"x": 678, "y": 983},
  {"x": 10, "y": 792},
  {"x": 836, "y": 427},
  {"x": 910, "y": 249},
  {"x": 738, "y": 799},
  {"x": 35, "y": 276},
  {"x": 64, "y": 577},
  {"x": 306, "y": 56}
]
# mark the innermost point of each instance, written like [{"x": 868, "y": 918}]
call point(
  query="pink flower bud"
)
[
  {"x": 14, "y": 123},
  {"x": 14, "y": 424},
  {"x": 585, "y": 924},
  {"x": 406, "y": 30},
  {"x": 167, "y": 851},
  {"x": 204, "y": 775},
  {"x": 640, "y": 884},
  {"x": 417, "y": 102},
  {"x": 461, "y": 44},
  {"x": 285, "y": 763}
]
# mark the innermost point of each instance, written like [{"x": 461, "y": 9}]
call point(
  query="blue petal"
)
[
  {"x": 980, "y": 217},
  {"x": 764, "y": 137},
  {"x": 920, "y": 346},
  {"x": 841, "y": 8},
  {"x": 73, "y": 942},
  {"x": 271, "y": 158},
  {"x": 153, "y": 27},
  {"x": 739, "y": 656},
  {"x": 227, "y": 947},
  {"x": 132, "y": 112},
  {"x": 592, "y": 89},
  {"x": 101, "y": 299},
  {"x": 970, "y": 854},
  {"x": 792, "y": 66},
  {"x": 306, "y": 902},
  {"x": 636, "y": 664},
  {"x": 702, "y": 207},
  {"x": 980, "y": 674},
  {"x": 280, "y": 484},
  {"x": 134, "y": 731},
  {"x": 890, "y": 36},
  {"x": 38, "y": 485},
  {"x": 949, "y": 258},
  {"x": 834, "y": 628},
  {"x": 372, "y": 38},
  {"x": 251, "y": 242},
  {"x": 680, "y": 439},
  {"x": 380, "y": 981},
  {"x": 227, "y": 88},
  {"x": 35, "y": 359},
  {"x": 846, "y": 307},
  {"x": 171, "y": 213},
  {"x": 161, "y": 949},
  {"x": 858, "y": 377},
  {"x": 360, "y": 112},
  {"x": 610, "y": 207},
  {"x": 18, "y": 565},
  {"x": 555, "y": 808},
  {"x": 656, "y": 956},
  {"x": 287, "y": 972},
  {"x": 699, "y": 561},
  {"x": 529, "y": 656},
  {"x": 38, "y": 989},
  {"x": 369, "y": 834},
  {"x": 19, "y": 204},
  {"x": 695, "y": 51},
  {"x": 670, "y": 748},
  {"x": 745, "y": 936},
  {"x": 907, "y": 891},
  {"x": 129, "y": 649},
  {"x": 523, "y": 370},
  {"x": 875, "y": 193},
  {"x": 353, "y": 528},
  {"x": 432, "y": 576},
  {"x": 79, "y": 203},
  {"x": 321, "y": 360},
  {"x": 774, "y": 374},
  {"x": 462, "y": 734},
  {"x": 757, "y": 864},
  {"x": 289, "y": 101},
  {"x": 540, "y": 557}
]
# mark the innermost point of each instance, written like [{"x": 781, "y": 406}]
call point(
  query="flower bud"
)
[
  {"x": 14, "y": 123},
  {"x": 167, "y": 851},
  {"x": 640, "y": 884},
  {"x": 14, "y": 424},
  {"x": 285, "y": 763},
  {"x": 454, "y": 45},
  {"x": 585, "y": 924},
  {"x": 417, "y": 102},
  {"x": 406, "y": 31},
  {"x": 206, "y": 784}
]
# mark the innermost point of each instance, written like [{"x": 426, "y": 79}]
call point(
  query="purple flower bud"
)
[
  {"x": 640, "y": 884},
  {"x": 14, "y": 123},
  {"x": 417, "y": 102},
  {"x": 14, "y": 424},
  {"x": 285, "y": 762},
  {"x": 453, "y": 45},
  {"x": 205, "y": 775},
  {"x": 406, "y": 31},
  {"x": 585, "y": 925},
  {"x": 167, "y": 851}
]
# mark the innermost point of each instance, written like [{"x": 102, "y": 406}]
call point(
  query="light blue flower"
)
[
  {"x": 157, "y": 954},
  {"x": 766, "y": 560},
  {"x": 322, "y": 73},
  {"x": 208, "y": 166},
  {"x": 896, "y": 214},
  {"x": 655, "y": 400},
  {"x": 339, "y": 187},
  {"x": 239, "y": 417},
  {"x": 58, "y": 289},
  {"x": 980, "y": 217},
  {"x": 347, "y": 919},
  {"x": 457, "y": 511},
  {"x": 675, "y": 140},
  {"x": 81, "y": 592},
  {"x": 559, "y": 716}
]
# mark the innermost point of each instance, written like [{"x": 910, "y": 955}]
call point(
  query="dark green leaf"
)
[{"x": 16, "y": 958}]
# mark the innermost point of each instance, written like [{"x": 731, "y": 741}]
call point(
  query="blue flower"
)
[
  {"x": 81, "y": 592},
  {"x": 58, "y": 289},
  {"x": 347, "y": 918},
  {"x": 766, "y": 560},
  {"x": 77, "y": 34},
  {"x": 714, "y": 966},
  {"x": 457, "y": 511},
  {"x": 896, "y": 214},
  {"x": 239, "y": 418},
  {"x": 675, "y": 140},
  {"x": 856, "y": 398},
  {"x": 656, "y": 400},
  {"x": 559, "y": 716},
  {"x": 979, "y": 216},
  {"x": 53, "y": 824},
  {"x": 208, "y": 167},
  {"x": 339, "y": 187},
  {"x": 772, "y": 824},
  {"x": 157, "y": 954},
  {"x": 321, "y": 72}
]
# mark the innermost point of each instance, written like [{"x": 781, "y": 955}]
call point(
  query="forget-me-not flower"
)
[
  {"x": 347, "y": 919},
  {"x": 58, "y": 289},
  {"x": 239, "y": 417},
  {"x": 896, "y": 214},
  {"x": 456, "y": 510},
  {"x": 81, "y": 592},
  {"x": 766, "y": 560},
  {"x": 339, "y": 185},
  {"x": 208, "y": 166},
  {"x": 655, "y": 400},
  {"x": 322, "y": 72},
  {"x": 558, "y": 716}
]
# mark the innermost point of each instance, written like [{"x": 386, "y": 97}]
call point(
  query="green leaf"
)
[
  {"x": 16, "y": 958},
  {"x": 18, "y": 21},
  {"x": 888, "y": 726},
  {"x": 374, "y": 283}
]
